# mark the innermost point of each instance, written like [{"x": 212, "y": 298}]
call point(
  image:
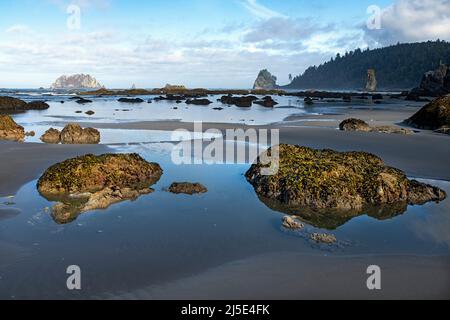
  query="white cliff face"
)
[{"x": 77, "y": 81}]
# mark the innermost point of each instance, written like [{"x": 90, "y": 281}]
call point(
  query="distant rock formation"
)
[
  {"x": 434, "y": 83},
  {"x": 265, "y": 81},
  {"x": 371, "y": 84},
  {"x": 77, "y": 81}
]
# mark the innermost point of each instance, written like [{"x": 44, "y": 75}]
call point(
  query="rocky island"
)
[
  {"x": 265, "y": 81},
  {"x": 76, "y": 81}
]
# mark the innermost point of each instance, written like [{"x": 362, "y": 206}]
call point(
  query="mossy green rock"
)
[
  {"x": 95, "y": 182},
  {"x": 327, "y": 179},
  {"x": 91, "y": 173},
  {"x": 434, "y": 115}
]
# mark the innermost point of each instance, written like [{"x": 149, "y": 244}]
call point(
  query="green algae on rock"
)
[
  {"x": 343, "y": 184},
  {"x": 94, "y": 182}
]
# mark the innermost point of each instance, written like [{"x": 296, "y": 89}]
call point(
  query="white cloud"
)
[
  {"x": 413, "y": 20},
  {"x": 259, "y": 10}
]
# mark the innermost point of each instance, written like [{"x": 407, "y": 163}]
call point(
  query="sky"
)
[{"x": 198, "y": 43}]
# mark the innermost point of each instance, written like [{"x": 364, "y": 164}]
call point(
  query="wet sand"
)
[
  {"x": 23, "y": 162},
  {"x": 291, "y": 276}
]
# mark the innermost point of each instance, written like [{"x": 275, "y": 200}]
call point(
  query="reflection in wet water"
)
[{"x": 332, "y": 219}]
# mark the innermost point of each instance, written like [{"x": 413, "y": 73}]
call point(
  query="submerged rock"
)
[
  {"x": 199, "y": 102},
  {"x": 10, "y": 130},
  {"x": 432, "y": 116},
  {"x": 243, "y": 102},
  {"x": 327, "y": 179},
  {"x": 95, "y": 182},
  {"x": 131, "y": 100},
  {"x": 51, "y": 136},
  {"x": 90, "y": 112},
  {"x": 74, "y": 134},
  {"x": 83, "y": 101},
  {"x": 323, "y": 238},
  {"x": 187, "y": 188}
]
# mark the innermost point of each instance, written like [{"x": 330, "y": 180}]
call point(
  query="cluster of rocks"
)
[
  {"x": 360, "y": 125},
  {"x": 433, "y": 116},
  {"x": 14, "y": 104},
  {"x": 327, "y": 179},
  {"x": 95, "y": 182},
  {"x": 71, "y": 134},
  {"x": 247, "y": 101},
  {"x": 199, "y": 102}
]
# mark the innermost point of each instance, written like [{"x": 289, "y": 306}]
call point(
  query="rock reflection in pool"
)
[
  {"x": 8, "y": 213},
  {"x": 332, "y": 219}
]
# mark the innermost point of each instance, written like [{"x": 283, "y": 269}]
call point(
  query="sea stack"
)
[
  {"x": 265, "y": 81},
  {"x": 76, "y": 81},
  {"x": 371, "y": 84}
]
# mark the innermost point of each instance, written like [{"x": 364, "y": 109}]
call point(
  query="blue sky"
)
[{"x": 198, "y": 43}]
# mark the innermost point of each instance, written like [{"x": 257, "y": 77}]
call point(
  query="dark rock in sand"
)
[
  {"x": 90, "y": 113},
  {"x": 243, "y": 102},
  {"x": 187, "y": 188},
  {"x": 52, "y": 136},
  {"x": 267, "y": 102},
  {"x": 199, "y": 102},
  {"x": 12, "y": 104},
  {"x": 354, "y": 125},
  {"x": 95, "y": 182},
  {"x": 432, "y": 116},
  {"x": 327, "y": 179},
  {"x": 131, "y": 100},
  {"x": 10, "y": 130},
  {"x": 37, "y": 105},
  {"x": 30, "y": 134},
  {"x": 74, "y": 134}
]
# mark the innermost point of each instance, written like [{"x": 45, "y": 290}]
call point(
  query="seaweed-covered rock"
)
[
  {"x": 187, "y": 188},
  {"x": 74, "y": 134},
  {"x": 95, "y": 182},
  {"x": 327, "y": 179},
  {"x": 37, "y": 105},
  {"x": 51, "y": 136},
  {"x": 10, "y": 130},
  {"x": 243, "y": 102},
  {"x": 432, "y": 116},
  {"x": 12, "y": 104},
  {"x": 354, "y": 125},
  {"x": 267, "y": 102}
]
